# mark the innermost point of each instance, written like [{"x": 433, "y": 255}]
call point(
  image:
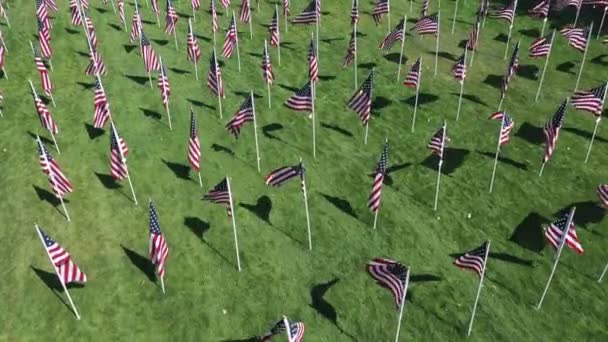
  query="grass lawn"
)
[{"x": 327, "y": 288}]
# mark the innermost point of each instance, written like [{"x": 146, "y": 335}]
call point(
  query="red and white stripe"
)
[
  {"x": 602, "y": 193},
  {"x": 46, "y": 120},
  {"x": 45, "y": 79}
]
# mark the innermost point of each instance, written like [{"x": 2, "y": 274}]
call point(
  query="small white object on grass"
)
[
  {"x": 224, "y": 311},
  {"x": 469, "y": 215},
  {"x": 438, "y": 217},
  {"x": 568, "y": 148}
]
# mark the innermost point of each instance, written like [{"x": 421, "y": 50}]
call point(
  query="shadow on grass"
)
[
  {"x": 200, "y": 104},
  {"x": 331, "y": 40},
  {"x": 510, "y": 259},
  {"x": 584, "y": 134},
  {"x": 142, "y": 263},
  {"x": 533, "y": 33},
  {"x": 423, "y": 278},
  {"x": 115, "y": 27},
  {"x": 151, "y": 113},
  {"x": 52, "y": 282},
  {"x": 86, "y": 86},
  {"x": 394, "y": 57},
  {"x": 501, "y": 37},
  {"x": 93, "y": 132},
  {"x": 423, "y": 98},
  {"x": 161, "y": 42},
  {"x": 529, "y": 233},
  {"x": 381, "y": 102},
  {"x": 342, "y": 204},
  {"x": 141, "y": 80},
  {"x": 471, "y": 98},
  {"x": 255, "y": 54},
  {"x": 494, "y": 81},
  {"x": 367, "y": 66},
  {"x": 108, "y": 181},
  {"x": 216, "y": 251},
  {"x": 245, "y": 94},
  {"x": 270, "y": 128},
  {"x": 446, "y": 55},
  {"x": 322, "y": 306},
  {"x": 528, "y": 71},
  {"x": 180, "y": 171},
  {"x": 49, "y": 197},
  {"x": 246, "y": 339},
  {"x": 587, "y": 212},
  {"x": 261, "y": 208},
  {"x": 600, "y": 60},
  {"x": 71, "y": 31},
  {"x": 337, "y": 129},
  {"x": 388, "y": 180},
  {"x": 566, "y": 67},
  {"x": 327, "y": 77},
  {"x": 129, "y": 47},
  {"x": 46, "y": 141},
  {"x": 197, "y": 226},
  {"x": 453, "y": 159},
  {"x": 505, "y": 160},
  {"x": 532, "y": 134},
  {"x": 286, "y": 87},
  {"x": 180, "y": 71},
  {"x": 220, "y": 148}
]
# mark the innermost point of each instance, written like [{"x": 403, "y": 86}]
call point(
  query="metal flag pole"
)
[
  {"x": 236, "y": 242},
  {"x": 284, "y": 17},
  {"x": 445, "y": 133},
  {"x": 602, "y": 23},
  {"x": 559, "y": 252},
  {"x": 287, "y": 328},
  {"x": 314, "y": 133},
  {"x": 267, "y": 82},
  {"x": 437, "y": 41},
  {"x": 510, "y": 30},
  {"x": 580, "y": 71},
  {"x": 578, "y": 11},
  {"x": 502, "y": 123},
  {"x": 195, "y": 60},
  {"x": 113, "y": 6},
  {"x": 250, "y": 21},
  {"x": 276, "y": 9},
  {"x": 356, "y": 52},
  {"x": 542, "y": 76},
  {"x": 597, "y": 123},
  {"x": 50, "y": 130},
  {"x": 220, "y": 86},
  {"x": 123, "y": 158},
  {"x": 483, "y": 273},
  {"x": 388, "y": 3},
  {"x": 478, "y": 32},
  {"x": 542, "y": 29},
  {"x": 255, "y": 130},
  {"x": 162, "y": 74},
  {"x": 454, "y": 18},
  {"x": 417, "y": 93},
  {"x": 236, "y": 34},
  {"x": 603, "y": 274},
  {"x": 8, "y": 23},
  {"x": 55, "y": 268},
  {"x": 305, "y": 194},
  {"x": 461, "y": 86},
  {"x": 407, "y": 282},
  {"x": 402, "y": 45}
]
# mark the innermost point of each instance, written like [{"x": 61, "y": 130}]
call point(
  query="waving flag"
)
[
  {"x": 551, "y": 130},
  {"x": 412, "y": 79},
  {"x": 155, "y": 7},
  {"x": 44, "y": 39},
  {"x": 308, "y": 15},
  {"x": 391, "y": 275},
  {"x": 243, "y": 115},
  {"x": 46, "y": 120},
  {"x": 96, "y": 64},
  {"x": 474, "y": 260},
  {"x": 460, "y": 69},
  {"x": 158, "y": 245},
  {"x": 245, "y": 14},
  {"x": 91, "y": 31},
  {"x": 354, "y": 12},
  {"x": 541, "y": 46},
  {"x": 427, "y": 25},
  {"x": 301, "y": 101},
  {"x": 214, "y": 77},
  {"x": 296, "y": 331},
  {"x": 101, "y": 104},
  {"x": 220, "y": 195},
  {"x": 267, "y": 74},
  {"x": 577, "y": 37},
  {"x": 556, "y": 230},
  {"x": 281, "y": 175},
  {"x": 438, "y": 142},
  {"x": 193, "y": 50},
  {"x": 196, "y": 4},
  {"x": 59, "y": 182},
  {"x": 41, "y": 13},
  {"x": 75, "y": 12},
  {"x": 373, "y": 201},
  {"x": 67, "y": 271},
  {"x": 214, "y": 23},
  {"x": 396, "y": 35},
  {"x": 149, "y": 56},
  {"x": 51, "y": 5},
  {"x": 562, "y": 4},
  {"x": 382, "y": 7},
  {"x": 351, "y": 51},
  {"x": 361, "y": 101},
  {"x": 136, "y": 26},
  {"x": 473, "y": 37},
  {"x": 602, "y": 193},
  {"x": 164, "y": 86},
  {"x": 194, "y": 144},
  {"x": 511, "y": 69},
  {"x": 506, "y": 13},
  {"x": 118, "y": 155},
  {"x": 121, "y": 11},
  {"x": 506, "y": 126},
  {"x": 313, "y": 66},
  {"x": 225, "y": 3},
  {"x": 540, "y": 10},
  {"x": 483, "y": 8},
  {"x": 273, "y": 29},
  {"x": 230, "y": 40},
  {"x": 425, "y": 7},
  {"x": 286, "y": 10},
  {"x": 45, "y": 79},
  {"x": 591, "y": 100},
  {"x": 171, "y": 18}
]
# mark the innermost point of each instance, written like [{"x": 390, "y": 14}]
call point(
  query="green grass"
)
[{"x": 120, "y": 302}]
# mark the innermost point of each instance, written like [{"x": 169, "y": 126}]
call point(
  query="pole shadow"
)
[
  {"x": 222, "y": 256},
  {"x": 584, "y": 134},
  {"x": 52, "y": 283}
]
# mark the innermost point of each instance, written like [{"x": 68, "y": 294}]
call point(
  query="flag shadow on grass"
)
[
  {"x": 181, "y": 171},
  {"x": 388, "y": 180},
  {"x": 52, "y": 282},
  {"x": 270, "y": 128},
  {"x": 340, "y": 203},
  {"x": 71, "y": 31},
  {"x": 108, "y": 181},
  {"x": 446, "y": 55},
  {"x": 337, "y": 129},
  {"x": 566, "y": 67},
  {"x": 141, "y": 80},
  {"x": 246, "y": 339},
  {"x": 529, "y": 233},
  {"x": 201, "y": 37},
  {"x": 423, "y": 278},
  {"x": 510, "y": 259},
  {"x": 93, "y": 132},
  {"x": 86, "y": 86},
  {"x": 82, "y": 54},
  {"x": 599, "y": 60},
  {"x": 587, "y": 212},
  {"x": 254, "y": 54},
  {"x": 101, "y": 10},
  {"x": 394, "y": 57},
  {"x": 367, "y": 65},
  {"x": 494, "y": 81},
  {"x": 532, "y": 134},
  {"x": 129, "y": 47},
  {"x": 501, "y": 37},
  {"x": 533, "y": 33},
  {"x": 46, "y": 141},
  {"x": 151, "y": 113},
  {"x": 261, "y": 208},
  {"x": 584, "y": 134},
  {"x": 331, "y": 40},
  {"x": 323, "y": 307},
  {"x": 528, "y": 71},
  {"x": 115, "y": 27},
  {"x": 471, "y": 98},
  {"x": 379, "y": 103},
  {"x": 286, "y": 87},
  {"x": 201, "y": 104},
  {"x": 161, "y": 42},
  {"x": 49, "y": 197},
  {"x": 245, "y": 94},
  {"x": 197, "y": 226},
  {"x": 423, "y": 98},
  {"x": 141, "y": 262},
  {"x": 179, "y": 71},
  {"x": 454, "y": 158},
  {"x": 505, "y": 160},
  {"x": 220, "y": 148}
]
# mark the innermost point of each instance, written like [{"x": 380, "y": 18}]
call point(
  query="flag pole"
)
[
  {"x": 483, "y": 273},
  {"x": 113, "y": 6},
  {"x": 437, "y": 41},
  {"x": 502, "y": 99},
  {"x": 285, "y": 17},
  {"x": 195, "y": 60},
  {"x": 219, "y": 84},
  {"x": 8, "y": 23},
  {"x": 542, "y": 76},
  {"x": 445, "y": 133},
  {"x": 379, "y": 201},
  {"x": 510, "y": 29},
  {"x": 578, "y": 11},
  {"x": 580, "y": 71},
  {"x": 175, "y": 35},
  {"x": 250, "y": 21},
  {"x": 356, "y": 52},
  {"x": 478, "y": 30},
  {"x": 236, "y": 32},
  {"x": 65, "y": 210},
  {"x": 55, "y": 268},
  {"x": 160, "y": 59},
  {"x": 200, "y": 180},
  {"x": 317, "y": 47},
  {"x": 603, "y": 274},
  {"x": 411, "y": 6},
  {"x": 542, "y": 29},
  {"x": 287, "y": 328},
  {"x": 162, "y": 284},
  {"x": 314, "y": 134},
  {"x": 454, "y": 18},
  {"x": 402, "y": 45},
  {"x": 276, "y": 8},
  {"x": 559, "y": 252},
  {"x": 407, "y": 282},
  {"x": 601, "y": 23},
  {"x": 122, "y": 157},
  {"x": 597, "y": 123},
  {"x": 461, "y": 86},
  {"x": 417, "y": 93},
  {"x": 50, "y": 130},
  {"x": 267, "y": 83},
  {"x": 389, "y": 15},
  {"x": 255, "y": 130},
  {"x": 305, "y": 193},
  {"x": 236, "y": 242},
  {"x": 140, "y": 44},
  {"x": 502, "y": 123}
]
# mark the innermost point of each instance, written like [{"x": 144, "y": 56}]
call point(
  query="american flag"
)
[
  {"x": 194, "y": 144},
  {"x": 373, "y": 201},
  {"x": 506, "y": 126},
  {"x": 50, "y": 4},
  {"x": 136, "y": 26},
  {"x": 267, "y": 74},
  {"x": 577, "y": 37},
  {"x": 473, "y": 37},
  {"x": 230, "y": 40},
  {"x": 196, "y": 4},
  {"x": 313, "y": 66},
  {"x": 382, "y": 7},
  {"x": 474, "y": 260},
  {"x": 507, "y": 13},
  {"x": 243, "y": 115},
  {"x": 301, "y": 101},
  {"x": 193, "y": 50},
  {"x": 591, "y": 100},
  {"x": 540, "y": 10},
  {"x": 286, "y": 10},
  {"x": 308, "y": 15},
  {"x": 2, "y": 52},
  {"x": 438, "y": 142},
  {"x": 214, "y": 23},
  {"x": 91, "y": 30},
  {"x": 171, "y": 18},
  {"x": 75, "y": 12},
  {"x": 562, "y": 4},
  {"x": 102, "y": 107},
  {"x": 43, "y": 14},
  {"x": 425, "y": 7},
  {"x": 220, "y": 195},
  {"x": 600, "y": 3},
  {"x": 354, "y": 12},
  {"x": 225, "y": 3},
  {"x": 389, "y": 274},
  {"x": 44, "y": 38},
  {"x": 59, "y": 182},
  {"x": 158, "y": 245},
  {"x": 396, "y": 35},
  {"x": 66, "y": 269},
  {"x": 273, "y": 29},
  {"x": 46, "y": 120},
  {"x": 155, "y": 7},
  {"x": 164, "y": 86},
  {"x": 45, "y": 79},
  {"x": 552, "y": 128},
  {"x": 149, "y": 56},
  {"x": 85, "y": 4},
  {"x": 555, "y": 233},
  {"x": 460, "y": 68},
  {"x": 281, "y": 175},
  {"x": 245, "y": 14},
  {"x": 118, "y": 155},
  {"x": 361, "y": 101},
  {"x": 351, "y": 51},
  {"x": 412, "y": 79},
  {"x": 541, "y": 47},
  {"x": 96, "y": 64},
  {"x": 511, "y": 69},
  {"x": 296, "y": 331},
  {"x": 602, "y": 193},
  {"x": 121, "y": 11},
  {"x": 214, "y": 77},
  {"x": 427, "y": 25}
]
